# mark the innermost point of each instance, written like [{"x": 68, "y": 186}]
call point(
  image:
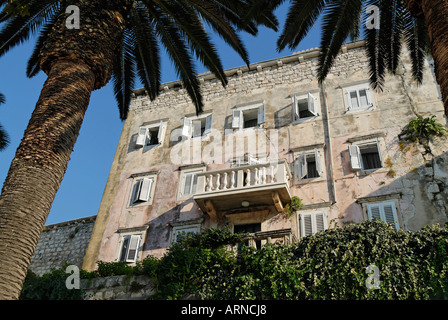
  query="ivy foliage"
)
[{"x": 327, "y": 265}]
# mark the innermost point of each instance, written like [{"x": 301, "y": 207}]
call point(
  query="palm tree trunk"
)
[
  {"x": 76, "y": 62},
  {"x": 38, "y": 168},
  {"x": 435, "y": 13}
]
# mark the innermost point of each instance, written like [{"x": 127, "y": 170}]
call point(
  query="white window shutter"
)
[
  {"x": 145, "y": 189},
  {"x": 379, "y": 151},
  {"x": 124, "y": 248},
  {"x": 161, "y": 133},
  {"x": 307, "y": 225},
  {"x": 355, "y": 157},
  {"x": 312, "y": 104},
  {"x": 261, "y": 115},
  {"x": 142, "y": 137},
  {"x": 318, "y": 162},
  {"x": 374, "y": 212},
  {"x": 349, "y": 100},
  {"x": 187, "y": 184},
  {"x": 136, "y": 191},
  {"x": 295, "y": 109},
  {"x": 132, "y": 251},
  {"x": 208, "y": 124},
  {"x": 196, "y": 127},
  {"x": 186, "y": 128},
  {"x": 320, "y": 221},
  {"x": 369, "y": 98},
  {"x": 303, "y": 167},
  {"x": 390, "y": 214},
  {"x": 237, "y": 119}
]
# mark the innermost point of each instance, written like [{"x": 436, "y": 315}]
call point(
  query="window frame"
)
[
  {"x": 355, "y": 155},
  {"x": 179, "y": 228},
  {"x": 188, "y": 130},
  {"x": 370, "y": 103},
  {"x": 312, "y": 107},
  {"x": 138, "y": 234},
  {"x": 144, "y": 135},
  {"x": 184, "y": 172},
  {"x": 312, "y": 215},
  {"x": 140, "y": 179},
  {"x": 237, "y": 122},
  {"x": 382, "y": 214},
  {"x": 300, "y": 163}
]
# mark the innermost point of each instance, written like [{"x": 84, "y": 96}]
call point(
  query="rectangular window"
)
[
  {"x": 365, "y": 156},
  {"x": 304, "y": 107},
  {"x": 248, "y": 118},
  {"x": 385, "y": 211},
  {"x": 359, "y": 99},
  {"x": 196, "y": 126},
  {"x": 151, "y": 135},
  {"x": 180, "y": 232},
  {"x": 309, "y": 165},
  {"x": 129, "y": 248},
  {"x": 312, "y": 222},
  {"x": 141, "y": 191},
  {"x": 190, "y": 181}
]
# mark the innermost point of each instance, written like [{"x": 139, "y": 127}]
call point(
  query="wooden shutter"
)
[
  {"x": 261, "y": 115},
  {"x": 355, "y": 157},
  {"x": 318, "y": 162},
  {"x": 374, "y": 212},
  {"x": 320, "y": 221},
  {"x": 187, "y": 184},
  {"x": 369, "y": 98},
  {"x": 303, "y": 166},
  {"x": 349, "y": 100},
  {"x": 208, "y": 124},
  {"x": 142, "y": 137},
  {"x": 307, "y": 225},
  {"x": 186, "y": 128},
  {"x": 312, "y": 104},
  {"x": 145, "y": 189},
  {"x": 132, "y": 251},
  {"x": 196, "y": 127},
  {"x": 124, "y": 249},
  {"x": 237, "y": 119},
  {"x": 390, "y": 214},
  {"x": 295, "y": 109},
  {"x": 379, "y": 152},
  {"x": 161, "y": 133}
]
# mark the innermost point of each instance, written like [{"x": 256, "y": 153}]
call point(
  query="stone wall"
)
[
  {"x": 118, "y": 288},
  {"x": 62, "y": 243}
]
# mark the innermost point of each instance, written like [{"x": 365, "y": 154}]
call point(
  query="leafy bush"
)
[{"x": 423, "y": 128}]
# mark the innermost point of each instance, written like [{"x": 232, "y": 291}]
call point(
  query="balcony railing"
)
[
  {"x": 282, "y": 236},
  {"x": 244, "y": 177}
]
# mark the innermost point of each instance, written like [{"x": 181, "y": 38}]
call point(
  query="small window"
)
[
  {"x": 189, "y": 183},
  {"x": 141, "y": 191},
  {"x": 180, "y": 232},
  {"x": 151, "y": 136},
  {"x": 312, "y": 222},
  {"x": 365, "y": 156},
  {"x": 129, "y": 248},
  {"x": 248, "y": 118},
  {"x": 358, "y": 99},
  {"x": 309, "y": 165},
  {"x": 196, "y": 127},
  {"x": 385, "y": 211},
  {"x": 304, "y": 107}
]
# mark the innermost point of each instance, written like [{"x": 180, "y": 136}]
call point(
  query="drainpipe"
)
[{"x": 327, "y": 134}]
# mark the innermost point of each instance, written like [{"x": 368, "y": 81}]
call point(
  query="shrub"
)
[{"x": 423, "y": 128}]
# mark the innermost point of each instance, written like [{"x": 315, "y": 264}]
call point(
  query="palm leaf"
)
[{"x": 417, "y": 42}]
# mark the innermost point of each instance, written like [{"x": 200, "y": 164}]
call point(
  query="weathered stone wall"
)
[
  {"x": 62, "y": 243},
  {"x": 118, "y": 288}
]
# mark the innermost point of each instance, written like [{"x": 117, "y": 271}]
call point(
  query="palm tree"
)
[
  {"x": 4, "y": 138},
  {"x": 418, "y": 24},
  {"x": 119, "y": 40}
]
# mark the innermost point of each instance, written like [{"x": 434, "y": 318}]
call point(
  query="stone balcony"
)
[
  {"x": 238, "y": 188},
  {"x": 281, "y": 236}
]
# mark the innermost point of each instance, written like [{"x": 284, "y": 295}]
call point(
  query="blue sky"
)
[{"x": 82, "y": 188}]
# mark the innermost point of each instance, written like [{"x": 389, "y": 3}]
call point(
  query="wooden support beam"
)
[
  {"x": 277, "y": 202},
  {"x": 210, "y": 208}
]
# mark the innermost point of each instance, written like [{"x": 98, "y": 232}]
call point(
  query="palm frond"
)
[
  {"x": 18, "y": 29},
  {"x": 339, "y": 21},
  {"x": 417, "y": 42},
  {"x": 4, "y": 138},
  {"x": 123, "y": 77},
  {"x": 301, "y": 17},
  {"x": 177, "y": 49}
]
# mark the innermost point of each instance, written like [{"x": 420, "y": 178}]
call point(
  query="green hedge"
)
[{"x": 327, "y": 265}]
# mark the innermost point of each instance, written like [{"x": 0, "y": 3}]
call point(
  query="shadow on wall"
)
[{"x": 420, "y": 190}]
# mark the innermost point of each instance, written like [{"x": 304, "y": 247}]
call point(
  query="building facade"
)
[{"x": 274, "y": 133}]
